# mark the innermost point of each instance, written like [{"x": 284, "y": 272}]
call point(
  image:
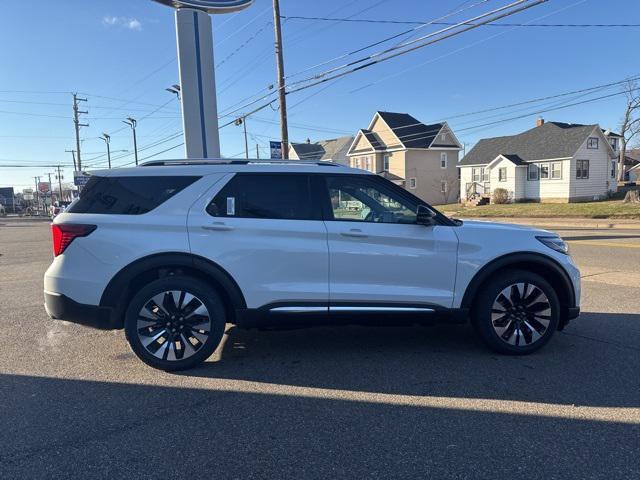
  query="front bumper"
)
[{"x": 61, "y": 307}]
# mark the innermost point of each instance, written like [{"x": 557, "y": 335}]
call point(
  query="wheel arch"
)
[
  {"x": 547, "y": 267},
  {"x": 127, "y": 281}
]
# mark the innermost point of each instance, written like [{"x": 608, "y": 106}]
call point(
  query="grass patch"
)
[{"x": 603, "y": 209}]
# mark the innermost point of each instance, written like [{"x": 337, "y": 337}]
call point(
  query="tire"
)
[
  {"x": 161, "y": 321},
  {"x": 516, "y": 312}
]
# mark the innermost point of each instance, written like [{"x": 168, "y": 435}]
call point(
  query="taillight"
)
[{"x": 63, "y": 235}]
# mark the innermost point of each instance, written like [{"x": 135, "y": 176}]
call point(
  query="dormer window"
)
[{"x": 592, "y": 143}]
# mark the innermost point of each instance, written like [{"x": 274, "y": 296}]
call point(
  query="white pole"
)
[{"x": 197, "y": 81}]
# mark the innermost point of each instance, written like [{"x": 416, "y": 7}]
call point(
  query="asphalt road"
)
[{"x": 324, "y": 403}]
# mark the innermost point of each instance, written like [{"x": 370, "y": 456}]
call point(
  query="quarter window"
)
[
  {"x": 582, "y": 169},
  {"x": 502, "y": 174},
  {"x": 592, "y": 143},
  {"x": 282, "y": 196},
  {"x": 363, "y": 200}
]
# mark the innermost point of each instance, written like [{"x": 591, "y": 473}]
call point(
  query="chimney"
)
[
  {"x": 539, "y": 122},
  {"x": 308, "y": 141}
]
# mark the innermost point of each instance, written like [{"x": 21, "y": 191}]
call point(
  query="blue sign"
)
[
  {"x": 276, "y": 150},
  {"x": 80, "y": 179},
  {"x": 209, "y": 6}
]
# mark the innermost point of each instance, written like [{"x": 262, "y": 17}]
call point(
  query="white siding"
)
[
  {"x": 599, "y": 182},
  {"x": 549, "y": 188},
  {"x": 510, "y": 184},
  {"x": 465, "y": 177}
]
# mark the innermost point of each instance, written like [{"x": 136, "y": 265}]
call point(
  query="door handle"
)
[
  {"x": 355, "y": 233},
  {"x": 218, "y": 227}
]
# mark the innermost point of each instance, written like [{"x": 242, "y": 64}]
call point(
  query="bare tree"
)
[
  {"x": 630, "y": 124},
  {"x": 447, "y": 185}
]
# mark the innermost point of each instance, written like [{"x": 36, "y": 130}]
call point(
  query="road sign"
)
[
  {"x": 209, "y": 6},
  {"x": 44, "y": 187},
  {"x": 276, "y": 150},
  {"x": 80, "y": 179}
]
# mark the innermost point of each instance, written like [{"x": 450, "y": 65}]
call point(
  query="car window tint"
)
[
  {"x": 363, "y": 200},
  {"x": 128, "y": 195},
  {"x": 280, "y": 196}
]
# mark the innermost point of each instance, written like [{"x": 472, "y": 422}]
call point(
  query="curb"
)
[{"x": 577, "y": 223}]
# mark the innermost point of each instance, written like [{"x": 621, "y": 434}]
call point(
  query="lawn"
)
[{"x": 604, "y": 209}]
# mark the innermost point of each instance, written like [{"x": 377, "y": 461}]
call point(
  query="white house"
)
[{"x": 553, "y": 162}]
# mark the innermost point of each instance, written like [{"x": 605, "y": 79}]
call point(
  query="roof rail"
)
[{"x": 222, "y": 161}]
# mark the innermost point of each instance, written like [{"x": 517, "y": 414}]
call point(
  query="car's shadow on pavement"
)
[{"x": 588, "y": 364}]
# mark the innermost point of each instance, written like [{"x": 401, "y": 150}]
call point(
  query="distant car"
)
[
  {"x": 57, "y": 208},
  {"x": 173, "y": 251}
]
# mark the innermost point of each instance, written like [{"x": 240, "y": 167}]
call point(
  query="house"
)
[
  {"x": 553, "y": 162},
  {"x": 632, "y": 165},
  {"x": 334, "y": 150},
  {"x": 421, "y": 158}
]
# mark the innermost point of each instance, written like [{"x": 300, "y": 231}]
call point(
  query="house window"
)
[
  {"x": 366, "y": 163},
  {"x": 443, "y": 137},
  {"x": 613, "y": 169},
  {"x": 502, "y": 174},
  {"x": 412, "y": 183},
  {"x": 533, "y": 171},
  {"x": 385, "y": 163},
  {"x": 443, "y": 160},
  {"x": 476, "y": 174},
  {"x": 556, "y": 170},
  {"x": 356, "y": 162},
  {"x": 582, "y": 169},
  {"x": 443, "y": 186},
  {"x": 614, "y": 143},
  {"x": 485, "y": 174},
  {"x": 544, "y": 170},
  {"x": 592, "y": 143}
]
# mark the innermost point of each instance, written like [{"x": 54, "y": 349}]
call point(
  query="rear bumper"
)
[{"x": 61, "y": 307}]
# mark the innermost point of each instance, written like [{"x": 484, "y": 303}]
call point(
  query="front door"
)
[{"x": 378, "y": 255}]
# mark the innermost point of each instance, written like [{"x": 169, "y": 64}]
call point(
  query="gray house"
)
[
  {"x": 553, "y": 162},
  {"x": 334, "y": 150}
]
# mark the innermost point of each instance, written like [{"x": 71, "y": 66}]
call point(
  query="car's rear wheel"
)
[
  {"x": 516, "y": 312},
  {"x": 175, "y": 323}
]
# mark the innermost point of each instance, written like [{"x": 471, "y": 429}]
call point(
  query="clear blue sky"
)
[{"x": 121, "y": 55}]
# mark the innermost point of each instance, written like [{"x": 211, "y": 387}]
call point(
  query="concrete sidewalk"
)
[{"x": 571, "y": 223}]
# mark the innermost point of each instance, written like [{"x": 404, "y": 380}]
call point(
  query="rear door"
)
[
  {"x": 378, "y": 255},
  {"x": 265, "y": 231}
]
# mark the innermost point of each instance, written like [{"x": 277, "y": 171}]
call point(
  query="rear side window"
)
[
  {"x": 128, "y": 195},
  {"x": 281, "y": 196}
]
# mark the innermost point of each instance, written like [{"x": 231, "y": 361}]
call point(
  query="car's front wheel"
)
[
  {"x": 175, "y": 323},
  {"x": 516, "y": 312}
]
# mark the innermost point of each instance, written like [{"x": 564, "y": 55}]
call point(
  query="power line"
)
[{"x": 403, "y": 22}]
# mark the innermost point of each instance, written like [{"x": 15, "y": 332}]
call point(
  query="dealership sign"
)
[{"x": 219, "y": 6}]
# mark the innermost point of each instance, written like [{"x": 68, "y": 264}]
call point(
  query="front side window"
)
[
  {"x": 443, "y": 160},
  {"x": 502, "y": 174},
  {"x": 582, "y": 169},
  {"x": 364, "y": 200},
  {"x": 279, "y": 196},
  {"x": 592, "y": 143},
  {"x": 533, "y": 172},
  {"x": 556, "y": 170},
  {"x": 544, "y": 170}
]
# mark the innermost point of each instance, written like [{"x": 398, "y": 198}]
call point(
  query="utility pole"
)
[
  {"x": 76, "y": 120},
  {"x": 284, "y": 129},
  {"x": 50, "y": 190},
  {"x": 73, "y": 154},
  {"x": 36, "y": 179},
  {"x": 257, "y": 151},
  {"x": 107, "y": 140},
  {"x": 60, "y": 184},
  {"x": 132, "y": 122}
]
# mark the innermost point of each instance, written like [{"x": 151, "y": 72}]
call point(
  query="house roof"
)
[
  {"x": 550, "y": 140},
  {"x": 634, "y": 153},
  {"x": 373, "y": 139},
  {"x": 391, "y": 176},
  {"x": 308, "y": 151},
  {"x": 609, "y": 133},
  {"x": 515, "y": 159},
  {"x": 411, "y": 132},
  {"x": 333, "y": 146}
]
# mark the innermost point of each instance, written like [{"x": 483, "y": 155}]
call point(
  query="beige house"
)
[{"x": 421, "y": 158}]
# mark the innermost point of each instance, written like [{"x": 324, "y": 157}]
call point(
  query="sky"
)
[{"x": 121, "y": 55}]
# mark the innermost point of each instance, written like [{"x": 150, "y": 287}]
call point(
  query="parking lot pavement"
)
[{"x": 333, "y": 402}]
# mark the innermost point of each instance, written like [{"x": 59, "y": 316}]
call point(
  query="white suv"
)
[{"x": 172, "y": 251}]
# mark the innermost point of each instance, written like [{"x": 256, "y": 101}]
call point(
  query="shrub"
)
[{"x": 500, "y": 195}]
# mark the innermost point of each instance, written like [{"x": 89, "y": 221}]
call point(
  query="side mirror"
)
[{"x": 425, "y": 216}]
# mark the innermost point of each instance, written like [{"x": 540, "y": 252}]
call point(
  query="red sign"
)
[{"x": 44, "y": 187}]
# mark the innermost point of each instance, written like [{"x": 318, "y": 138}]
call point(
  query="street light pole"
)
[
  {"x": 107, "y": 140},
  {"x": 132, "y": 122}
]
